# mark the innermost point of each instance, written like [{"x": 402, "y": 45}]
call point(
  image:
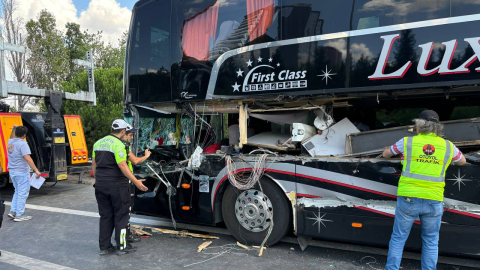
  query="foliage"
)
[
  {"x": 13, "y": 33},
  {"x": 77, "y": 43},
  {"x": 47, "y": 59},
  {"x": 50, "y": 66},
  {"x": 97, "y": 120},
  {"x": 111, "y": 56}
]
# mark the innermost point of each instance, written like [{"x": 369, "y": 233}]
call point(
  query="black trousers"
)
[
  {"x": 132, "y": 194},
  {"x": 113, "y": 207}
]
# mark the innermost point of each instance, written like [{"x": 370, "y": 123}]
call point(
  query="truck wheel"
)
[{"x": 247, "y": 214}]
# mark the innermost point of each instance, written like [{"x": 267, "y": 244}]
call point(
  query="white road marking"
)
[
  {"x": 59, "y": 210},
  {"x": 29, "y": 263},
  {"x": 134, "y": 220}
]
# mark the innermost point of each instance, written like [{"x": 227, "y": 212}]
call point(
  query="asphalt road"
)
[{"x": 63, "y": 234}]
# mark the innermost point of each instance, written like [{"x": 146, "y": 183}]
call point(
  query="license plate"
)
[
  {"x": 59, "y": 139},
  {"x": 62, "y": 177}
]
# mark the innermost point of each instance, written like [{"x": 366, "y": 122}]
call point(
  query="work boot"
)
[
  {"x": 129, "y": 249},
  {"x": 12, "y": 215},
  {"x": 107, "y": 251},
  {"x": 22, "y": 218},
  {"x": 133, "y": 238}
]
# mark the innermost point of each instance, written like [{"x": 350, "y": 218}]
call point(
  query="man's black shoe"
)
[
  {"x": 107, "y": 251},
  {"x": 133, "y": 238},
  {"x": 129, "y": 249}
]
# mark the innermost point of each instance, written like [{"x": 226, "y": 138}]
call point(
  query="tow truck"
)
[{"x": 57, "y": 141}]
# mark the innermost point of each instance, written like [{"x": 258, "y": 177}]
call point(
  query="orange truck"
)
[{"x": 47, "y": 149}]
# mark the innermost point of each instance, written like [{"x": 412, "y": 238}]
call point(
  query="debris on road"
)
[
  {"x": 142, "y": 232},
  {"x": 243, "y": 246},
  {"x": 204, "y": 245},
  {"x": 184, "y": 233},
  {"x": 178, "y": 233}
]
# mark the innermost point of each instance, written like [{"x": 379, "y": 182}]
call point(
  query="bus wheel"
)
[{"x": 248, "y": 214}]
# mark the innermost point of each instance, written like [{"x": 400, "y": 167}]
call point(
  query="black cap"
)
[{"x": 429, "y": 115}]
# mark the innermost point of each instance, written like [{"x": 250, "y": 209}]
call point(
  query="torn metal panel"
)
[
  {"x": 384, "y": 206},
  {"x": 331, "y": 141},
  {"x": 283, "y": 117},
  {"x": 269, "y": 140},
  {"x": 374, "y": 141}
]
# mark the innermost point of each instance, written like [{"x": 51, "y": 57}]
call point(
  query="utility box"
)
[{"x": 76, "y": 139}]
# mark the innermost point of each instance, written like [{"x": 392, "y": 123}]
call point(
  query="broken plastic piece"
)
[
  {"x": 196, "y": 159},
  {"x": 301, "y": 132},
  {"x": 332, "y": 141}
]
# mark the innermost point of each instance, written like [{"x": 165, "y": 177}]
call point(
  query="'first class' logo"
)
[{"x": 267, "y": 76}]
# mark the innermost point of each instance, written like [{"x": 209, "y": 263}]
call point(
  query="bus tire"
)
[{"x": 279, "y": 204}]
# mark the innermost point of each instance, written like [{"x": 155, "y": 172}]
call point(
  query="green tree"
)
[
  {"x": 97, "y": 120},
  {"x": 77, "y": 43},
  {"x": 47, "y": 60},
  {"x": 112, "y": 56}
]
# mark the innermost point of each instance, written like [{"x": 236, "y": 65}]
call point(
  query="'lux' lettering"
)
[{"x": 427, "y": 48}]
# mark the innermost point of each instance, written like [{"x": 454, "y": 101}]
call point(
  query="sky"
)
[
  {"x": 82, "y": 5},
  {"x": 110, "y": 16}
]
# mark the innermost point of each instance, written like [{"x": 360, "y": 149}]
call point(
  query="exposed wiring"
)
[
  {"x": 225, "y": 249},
  {"x": 171, "y": 191},
  {"x": 240, "y": 182}
]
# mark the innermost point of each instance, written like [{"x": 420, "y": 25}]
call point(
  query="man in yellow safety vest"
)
[{"x": 421, "y": 187}]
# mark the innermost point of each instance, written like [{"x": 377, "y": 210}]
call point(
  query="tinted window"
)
[
  {"x": 314, "y": 17},
  {"x": 211, "y": 28},
  {"x": 465, "y": 7},
  {"x": 149, "y": 61},
  {"x": 243, "y": 22},
  {"x": 375, "y": 13}
]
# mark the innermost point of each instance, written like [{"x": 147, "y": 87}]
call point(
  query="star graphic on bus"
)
[
  {"x": 239, "y": 73},
  {"x": 319, "y": 220},
  {"x": 270, "y": 59},
  {"x": 278, "y": 64},
  {"x": 459, "y": 179},
  {"x": 326, "y": 74},
  {"x": 236, "y": 87},
  {"x": 260, "y": 59},
  {"x": 249, "y": 63}
]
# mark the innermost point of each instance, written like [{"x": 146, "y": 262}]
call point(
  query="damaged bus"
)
[{"x": 269, "y": 116}]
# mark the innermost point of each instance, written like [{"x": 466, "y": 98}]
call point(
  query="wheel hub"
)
[{"x": 253, "y": 210}]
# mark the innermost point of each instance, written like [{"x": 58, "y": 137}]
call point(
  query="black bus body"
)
[{"x": 192, "y": 67}]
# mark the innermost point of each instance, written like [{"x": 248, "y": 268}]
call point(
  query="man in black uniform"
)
[{"x": 112, "y": 191}]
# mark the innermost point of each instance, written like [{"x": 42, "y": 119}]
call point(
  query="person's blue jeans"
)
[
  {"x": 21, "y": 182},
  {"x": 407, "y": 211}
]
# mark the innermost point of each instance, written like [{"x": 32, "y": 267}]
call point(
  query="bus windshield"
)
[{"x": 148, "y": 52}]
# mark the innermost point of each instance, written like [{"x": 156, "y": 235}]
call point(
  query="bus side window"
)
[
  {"x": 375, "y": 13},
  {"x": 465, "y": 7},
  {"x": 314, "y": 17},
  {"x": 241, "y": 23}
]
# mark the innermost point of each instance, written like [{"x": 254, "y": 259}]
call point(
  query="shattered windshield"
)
[{"x": 164, "y": 131}]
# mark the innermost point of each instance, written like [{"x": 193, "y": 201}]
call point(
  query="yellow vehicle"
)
[{"x": 47, "y": 152}]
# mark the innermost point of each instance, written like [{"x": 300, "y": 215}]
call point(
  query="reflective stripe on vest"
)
[{"x": 408, "y": 160}]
